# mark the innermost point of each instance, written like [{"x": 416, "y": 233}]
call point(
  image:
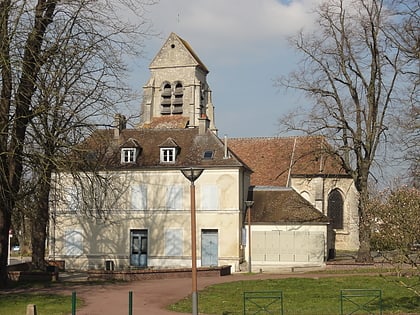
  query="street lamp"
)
[
  {"x": 249, "y": 205},
  {"x": 192, "y": 174}
]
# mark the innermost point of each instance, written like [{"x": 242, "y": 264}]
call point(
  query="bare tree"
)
[
  {"x": 60, "y": 68},
  {"x": 353, "y": 72},
  {"x": 396, "y": 231},
  {"x": 406, "y": 36}
]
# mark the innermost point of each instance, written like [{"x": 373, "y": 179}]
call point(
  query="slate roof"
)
[
  {"x": 279, "y": 205},
  {"x": 103, "y": 148},
  {"x": 271, "y": 158}
]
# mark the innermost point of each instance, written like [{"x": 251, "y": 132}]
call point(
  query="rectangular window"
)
[
  {"x": 174, "y": 197},
  {"x": 139, "y": 197},
  {"x": 71, "y": 198},
  {"x": 167, "y": 155},
  {"x": 128, "y": 155},
  {"x": 173, "y": 242},
  {"x": 209, "y": 197},
  {"x": 73, "y": 245}
]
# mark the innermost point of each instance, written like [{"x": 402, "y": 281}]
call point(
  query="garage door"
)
[{"x": 288, "y": 246}]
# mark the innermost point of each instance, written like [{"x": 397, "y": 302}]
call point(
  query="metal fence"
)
[
  {"x": 360, "y": 301},
  {"x": 264, "y": 302}
]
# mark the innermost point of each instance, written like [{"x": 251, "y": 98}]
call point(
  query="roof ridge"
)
[{"x": 275, "y": 137}]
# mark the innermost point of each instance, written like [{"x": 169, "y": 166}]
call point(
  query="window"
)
[
  {"x": 128, "y": 155},
  {"x": 167, "y": 155},
  {"x": 172, "y": 99},
  {"x": 174, "y": 197},
  {"x": 178, "y": 99},
  {"x": 335, "y": 209},
  {"x": 139, "y": 197},
  {"x": 173, "y": 242},
  {"x": 208, "y": 155},
  {"x": 209, "y": 197},
  {"x": 166, "y": 99},
  {"x": 73, "y": 245},
  {"x": 72, "y": 198}
]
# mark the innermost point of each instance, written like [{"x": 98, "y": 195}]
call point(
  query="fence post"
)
[
  {"x": 130, "y": 303},
  {"x": 31, "y": 309},
  {"x": 73, "y": 303}
]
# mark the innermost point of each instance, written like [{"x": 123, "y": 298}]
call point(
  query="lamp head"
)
[
  {"x": 192, "y": 173},
  {"x": 249, "y": 203}
]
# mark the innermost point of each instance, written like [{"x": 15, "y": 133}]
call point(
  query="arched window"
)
[
  {"x": 166, "y": 99},
  {"x": 178, "y": 100},
  {"x": 335, "y": 208}
]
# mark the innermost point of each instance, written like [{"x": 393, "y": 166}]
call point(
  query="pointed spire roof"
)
[{"x": 176, "y": 52}]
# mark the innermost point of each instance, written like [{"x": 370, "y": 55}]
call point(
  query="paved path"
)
[{"x": 150, "y": 297}]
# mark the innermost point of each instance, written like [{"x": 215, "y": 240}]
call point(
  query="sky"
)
[{"x": 244, "y": 45}]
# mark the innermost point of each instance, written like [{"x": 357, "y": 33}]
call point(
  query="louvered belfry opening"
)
[{"x": 172, "y": 103}]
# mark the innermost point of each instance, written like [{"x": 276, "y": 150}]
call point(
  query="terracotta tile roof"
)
[
  {"x": 271, "y": 158},
  {"x": 105, "y": 150},
  {"x": 280, "y": 205}
]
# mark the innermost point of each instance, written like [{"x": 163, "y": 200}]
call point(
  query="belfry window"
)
[
  {"x": 172, "y": 99},
  {"x": 166, "y": 99},
  {"x": 335, "y": 209},
  {"x": 178, "y": 99}
]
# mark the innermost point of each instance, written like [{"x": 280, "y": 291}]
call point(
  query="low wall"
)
[
  {"x": 32, "y": 276},
  {"x": 151, "y": 274}
]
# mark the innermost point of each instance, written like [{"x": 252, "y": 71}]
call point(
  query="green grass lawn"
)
[
  {"x": 46, "y": 304},
  {"x": 305, "y": 296}
]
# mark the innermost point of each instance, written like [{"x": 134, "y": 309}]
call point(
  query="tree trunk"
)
[
  {"x": 5, "y": 222},
  {"x": 39, "y": 221},
  {"x": 363, "y": 254}
]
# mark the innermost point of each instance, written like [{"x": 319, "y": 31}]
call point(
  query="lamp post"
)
[
  {"x": 249, "y": 205},
  {"x": 192, "y": 174}
]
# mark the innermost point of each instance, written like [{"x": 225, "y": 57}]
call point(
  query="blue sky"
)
[{"x": 243, "y": 44}]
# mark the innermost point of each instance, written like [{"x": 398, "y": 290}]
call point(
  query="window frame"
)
[
  {"x": 336, "y": 211},
  {"x": 138, "y": 198},
  {"x": 73, "y": 242},
  {"x": 210, "y": 197},
  {"x": 174, "y": 242},
  {"x": 166, "y": 156},
  {"x": 174, "y": 197},
  {"x": 128, "y": 155}
]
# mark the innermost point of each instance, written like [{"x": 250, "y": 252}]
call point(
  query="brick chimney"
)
[{"x": 120, "y": 123}]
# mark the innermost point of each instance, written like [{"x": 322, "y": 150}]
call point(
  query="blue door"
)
[{"x": 209, "y": 247}]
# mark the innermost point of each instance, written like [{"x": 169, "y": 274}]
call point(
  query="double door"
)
[{"x": 138, "y": 245}]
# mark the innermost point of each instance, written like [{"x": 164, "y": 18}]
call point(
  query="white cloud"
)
[{"x": 231, "y": 26}]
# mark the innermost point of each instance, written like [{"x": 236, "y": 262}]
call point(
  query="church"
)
[{"x": 281, "y": 201}]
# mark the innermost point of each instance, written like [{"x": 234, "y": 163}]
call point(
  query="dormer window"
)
[
  {"x": 208, "y": 155},
  {"x": 128, "y": 155},
  {"x": 130, "y": 150},
  {"x": 167, "y": 155}
]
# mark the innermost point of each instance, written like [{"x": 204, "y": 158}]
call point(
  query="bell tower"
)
[{"x": 177, "y": 90}]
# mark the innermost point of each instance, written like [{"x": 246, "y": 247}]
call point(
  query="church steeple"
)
[{"x": 177, "y": 89}]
